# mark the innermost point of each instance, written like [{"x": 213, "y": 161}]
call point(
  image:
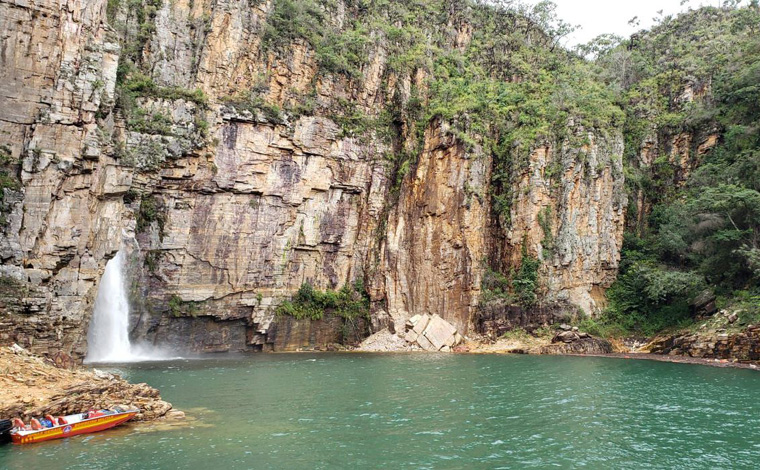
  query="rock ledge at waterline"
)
[{"x": 31, "y": 386}]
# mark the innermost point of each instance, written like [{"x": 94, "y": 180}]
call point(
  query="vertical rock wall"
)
[
  {"x": 569, "y": 208},
  {"x": 226, "y": 211},
  {"x": 57, "y": 67},
  {"x": 434, "y": 253}
]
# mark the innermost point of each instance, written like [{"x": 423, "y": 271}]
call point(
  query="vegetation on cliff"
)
[
  {"x": 350, "y": 302},
  {"x": 690, "y": 88},
  {"x": 495, "y": 74}
]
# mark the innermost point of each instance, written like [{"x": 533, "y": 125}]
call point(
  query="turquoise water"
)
[{"x": 347, "y": 411}]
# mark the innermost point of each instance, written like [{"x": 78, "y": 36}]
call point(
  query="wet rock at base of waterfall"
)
[{"x": 432, "y": 333}]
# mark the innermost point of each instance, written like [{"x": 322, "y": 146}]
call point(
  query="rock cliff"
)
[{"x": 235, "y": 158}]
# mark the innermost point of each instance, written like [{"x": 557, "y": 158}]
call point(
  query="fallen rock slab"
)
[{"x": 432, "y": 333}]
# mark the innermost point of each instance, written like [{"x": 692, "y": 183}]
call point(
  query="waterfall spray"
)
[{"x": 108, "y": 336}]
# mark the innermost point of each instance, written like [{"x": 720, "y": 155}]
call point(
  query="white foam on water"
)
[{"x": 108, "y": 335}]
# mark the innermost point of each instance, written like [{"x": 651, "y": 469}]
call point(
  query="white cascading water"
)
[{"x": 108, "y": 336}]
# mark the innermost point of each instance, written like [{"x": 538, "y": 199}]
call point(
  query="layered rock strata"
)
[
  {"x": 33, "y": 386},
  {"x": 226, "y": 203},
  {"x": 743, "y": 346}
]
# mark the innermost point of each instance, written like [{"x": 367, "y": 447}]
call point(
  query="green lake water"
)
[{"x": 427, "y": 411}]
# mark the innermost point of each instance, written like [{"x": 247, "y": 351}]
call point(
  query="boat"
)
[{"x": 74, "y": 425}]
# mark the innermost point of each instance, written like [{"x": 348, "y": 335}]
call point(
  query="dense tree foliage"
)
[{"x": 696, "y": 74}]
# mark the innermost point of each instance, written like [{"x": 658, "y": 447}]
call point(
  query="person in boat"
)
[
  {"x": 19, "y": 424},
  {"x": 49, "y": 421},
  {"x": 46, "y": 423},
  {"x": 94, "y": 414}
]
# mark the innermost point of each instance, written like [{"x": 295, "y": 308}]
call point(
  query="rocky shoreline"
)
[
  {"x": 739, "y": 349},
  {"x": 32, "y": 386}
]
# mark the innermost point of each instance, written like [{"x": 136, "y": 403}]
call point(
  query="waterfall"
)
[{"x": 108, "y": 336}]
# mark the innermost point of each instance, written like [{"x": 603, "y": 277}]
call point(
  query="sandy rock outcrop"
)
[{"x": 31, "y": 386}]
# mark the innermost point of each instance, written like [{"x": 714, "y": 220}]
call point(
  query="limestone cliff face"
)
[
  {"x": 57, "y": 67},
  {"x": 432, "y": 260},
  {"x": 227, "y": 204},
  {"x": 569, "y": 209}
]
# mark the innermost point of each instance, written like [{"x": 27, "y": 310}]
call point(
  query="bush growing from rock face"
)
[
  {"x": 150, "y": 211},
  {"x": 8, "y": 179},
  {"x": 178, "y": 307},
  {"x": 350, "y": 302}
]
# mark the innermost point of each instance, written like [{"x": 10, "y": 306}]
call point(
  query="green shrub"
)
[
  {"x": 152, "y": 258},
  {"x": 350, "y": 302},
  {"x": 525, "y": 282},
  {"x": 180, "y": 308},
  {"x": 647, "y": 298},
  {"x": 289, "y": 20},
  {"x": 135, "y": 83},
  {"x": 249, "y": 101},
  {"x": 150, "y": 211},
  {"x": 8, "y": 179}
]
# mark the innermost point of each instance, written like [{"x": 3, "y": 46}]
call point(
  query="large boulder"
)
[
  {"x": 704, "y": 304},
  {"x": 432, "y": 333}
]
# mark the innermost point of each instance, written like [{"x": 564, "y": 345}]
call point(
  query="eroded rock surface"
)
[
  {"x": 31, "y": 386},
  {"x": 225, "y": 206}
]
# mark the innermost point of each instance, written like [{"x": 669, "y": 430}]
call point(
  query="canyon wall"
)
[
  {"x": 232, "y": 174},
  {"x": 63, "y": 218}
]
